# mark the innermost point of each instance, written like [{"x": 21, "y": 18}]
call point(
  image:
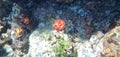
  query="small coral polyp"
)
[
  {"x": 26, "y": 20},
  {"x": 59, "y": 25},
  {"x": 18, "y": 30}
]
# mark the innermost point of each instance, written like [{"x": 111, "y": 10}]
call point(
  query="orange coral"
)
[
  {"x": 59, "y": 25},
  {"x": 26, "y": 20},
  {"x": 18, "y": 30}
]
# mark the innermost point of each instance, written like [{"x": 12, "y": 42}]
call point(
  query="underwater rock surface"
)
[
  {"x": 99, "y": 45},
  {"x": 88, "y": 28}
]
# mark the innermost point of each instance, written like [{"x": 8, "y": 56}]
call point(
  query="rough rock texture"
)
[
  {"x": 83, "y": 18},
  {"x": 38, "y": 47},
  {"x": 93, "y": 47},
  {"x": 101, "y": 45},
  {"x": 41, "y": 44},
  {"x": 111, "y": 43}
]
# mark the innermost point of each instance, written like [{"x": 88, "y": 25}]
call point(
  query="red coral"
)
[
  {"x": 59, "y": 25},
  {"x": 26, "y": 20},
  {"x": 88, "y": 31}
]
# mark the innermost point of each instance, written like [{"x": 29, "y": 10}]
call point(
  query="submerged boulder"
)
[{"x": 101, "y": 45}]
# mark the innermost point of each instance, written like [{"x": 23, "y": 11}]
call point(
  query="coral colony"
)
[
  {"x": 59, "y": 25},
  {"x": 59, "y": 28}
]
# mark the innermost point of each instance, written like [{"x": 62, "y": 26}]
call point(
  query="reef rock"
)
[{"x": 101, "y": 45}]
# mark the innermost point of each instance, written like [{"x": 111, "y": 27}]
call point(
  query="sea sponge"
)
[{"x": 59, "y": 25}]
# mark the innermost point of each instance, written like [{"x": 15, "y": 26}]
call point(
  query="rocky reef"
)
[
  {"x": 59, "y": 28},
  {"x": 99, "y": 45}
]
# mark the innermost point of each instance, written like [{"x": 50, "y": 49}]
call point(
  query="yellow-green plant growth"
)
[{"x": 60, "y": 47}]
